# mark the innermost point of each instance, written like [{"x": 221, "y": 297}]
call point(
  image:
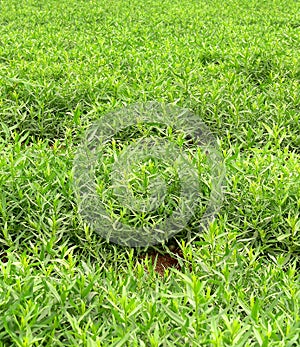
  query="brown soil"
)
[
  {"x": 3, "y": 257},
  {"x": 164, "y": 261}
]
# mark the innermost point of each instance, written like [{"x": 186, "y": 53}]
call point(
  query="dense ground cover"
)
[{"x": 64, "y": 64}]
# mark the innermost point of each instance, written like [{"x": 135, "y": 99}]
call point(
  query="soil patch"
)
[{"x": 164, "y": 261}]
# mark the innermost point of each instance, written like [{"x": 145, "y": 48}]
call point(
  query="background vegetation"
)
[{"x": 66, "y": 63}]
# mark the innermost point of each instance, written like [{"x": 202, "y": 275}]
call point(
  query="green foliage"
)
[{"x": 64, "y": 64}]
